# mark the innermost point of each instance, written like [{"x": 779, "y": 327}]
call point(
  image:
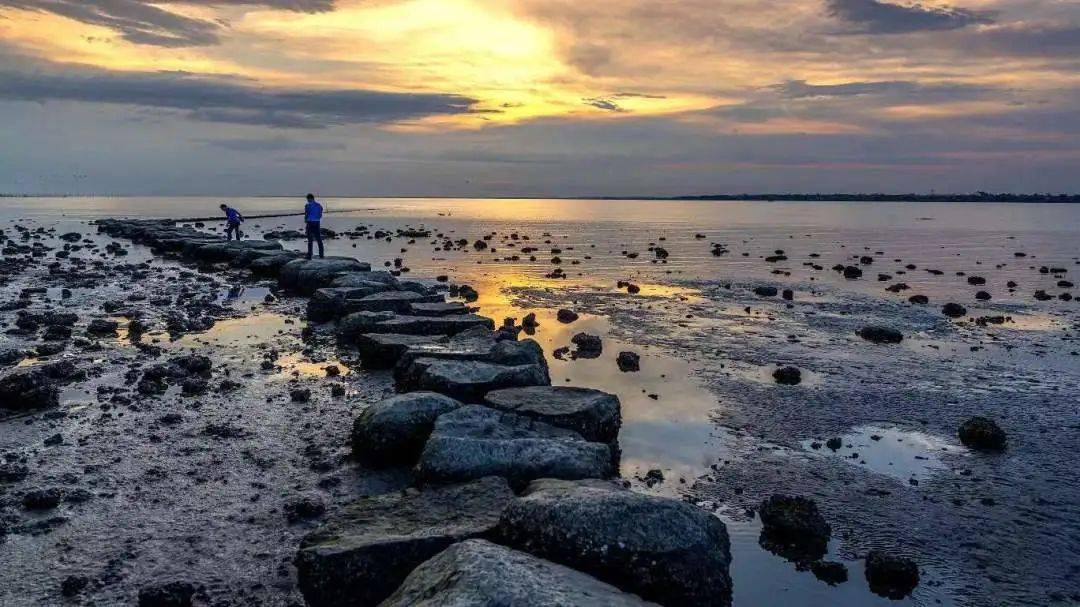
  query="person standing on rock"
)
[
  {"x": 233, "y": 219},
  {"x": 312, "y": 222}
]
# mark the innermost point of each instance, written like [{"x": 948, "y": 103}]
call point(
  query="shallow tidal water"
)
[{"x": 703, "y": 410}]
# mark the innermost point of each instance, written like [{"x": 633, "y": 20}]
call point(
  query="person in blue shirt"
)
[
  {"x": 233, "y": 219},
  {"x": 312, "y": 222}
]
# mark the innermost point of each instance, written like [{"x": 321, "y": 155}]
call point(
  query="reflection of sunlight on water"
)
[
  {"x": 294, "y": 363},
  {"x": 235, "y": 331},
  {"x": 901, "y": 454}
]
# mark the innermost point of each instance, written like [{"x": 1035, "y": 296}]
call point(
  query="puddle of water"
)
[
  {"x": 295, "y": 364},
  {"x": 237, "y": 331},
  {"x": 900, "y": 454}
]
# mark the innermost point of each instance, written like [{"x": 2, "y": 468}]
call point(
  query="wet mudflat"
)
[{"x": 205, "y": 487}]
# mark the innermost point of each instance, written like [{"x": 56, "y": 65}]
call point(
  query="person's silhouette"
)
[{"x": 312, "y": 222}]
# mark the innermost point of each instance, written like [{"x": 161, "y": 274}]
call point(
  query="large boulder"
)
[
  {"x": 439, "y": 308},
  {"x": 432, "y": 325},
  {"x": 271, "y": 265},
  {"x": 880, "y": 335},
  {"x": 329, "y": 303},
  {"x": 477, "y": 573},
  {"x": 475, "y": 441},
  {"x": 661, "y": 549},
  {"x": 593, "y": 414},
  {"x": 383, "y": 350},
  {"x": 393, "y": 431},
  {"x": 362, "y": 555},
  {"x": 478, "y": 343},
  {"x": 307, "y": 275},
  {"x": 470, "y": 380}
]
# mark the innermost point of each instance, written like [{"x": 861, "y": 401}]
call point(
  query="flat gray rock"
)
[
  {"x": 470, "y": 380},
  {"x": 351, "y": 326},
  {"x": 271, "y": 265},
  {"x": 479, "y": 344},
  {"x": 392, "y": 301},
  {"x": 229, "y": 250},
  {"x": 477, "y": 573},
  {"x": 593, "y": 414},
  {"x": 363, "y": 554},
  {"x": 383, "y": 350},
  {"x": 664, "y": 550},
  {"x": 433, "y": 325},
  {"x": 307, "y": 275},
  {"x": 354, "y": 279},
  {"x": 393, "y": 431},
  {"x": 329, "y": 303},
  {"x": 475, "y": 441},
  {"x": 442, "y": 308}
]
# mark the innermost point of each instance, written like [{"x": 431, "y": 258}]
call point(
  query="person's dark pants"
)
[
  {"x": 314, "y": 234},
  {"x": 234, "y": 226}
]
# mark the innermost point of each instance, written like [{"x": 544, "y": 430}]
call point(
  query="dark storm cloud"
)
[
  {"x": 888, "y": 90},
  {"x": 143, "y": 22},
  {"x": 216, "y": 100},
  {"x": 874, "y": 17}
]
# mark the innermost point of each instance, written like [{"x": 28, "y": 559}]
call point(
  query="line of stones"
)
[{"x": 516, "y": 500}]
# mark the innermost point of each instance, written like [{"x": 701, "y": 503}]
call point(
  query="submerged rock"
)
[
  {"x": 661, "y": 549},
  {"x": 360, "y": 556},
  {"x": 953, "y": 310},
  {"x": 393, "y": 431},
  {"x": 788, "y": 376},
  {"x": 477, "y": 573},
  {"x": 628, "y": 362},
  {"x": 475, "y": 441},
  {"x": 982, "y": 434},
  {"x": 593, "y": 414}
]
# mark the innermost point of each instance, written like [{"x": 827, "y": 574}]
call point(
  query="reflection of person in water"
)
[{"x": 233, "y": 219}]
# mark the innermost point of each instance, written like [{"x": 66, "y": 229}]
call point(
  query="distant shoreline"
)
[{"x": 789, "y": 197}]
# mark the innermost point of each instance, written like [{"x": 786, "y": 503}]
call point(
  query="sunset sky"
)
[{"x": 538, "y": 98}]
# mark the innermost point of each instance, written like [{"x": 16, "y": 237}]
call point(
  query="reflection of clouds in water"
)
[{"x": 898, "y": 453}]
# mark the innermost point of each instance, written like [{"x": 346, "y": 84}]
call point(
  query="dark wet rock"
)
[
  {"x": 172, "y": 594},
  {"x": 393, "y": 431},
  {"x": 193, "y": 386},
  {"x": 300, "y": 395},
  {"x": 102, "y": 327},
  {"x": 788, "y": 376},
  {"x": 628, "y": 362},
  {"x": 360, "y": 556},
  {"x": 56, "y": 333},
  {"x": 595, "y": 415},
  {"x": 307, "y": 275},
  {"x": 11, "y": 356},
  {"x": 953, "y": 310},
  {"x": 982, "y": 296},
  {"x": 399, "y": 302},
  {"x": 304, "y": 507},
  {"x": 852, "y": 272},
  {"x": 477, "y": 573},
  {"x": 788, "y": 295},
  {"x": 231, "y": 250},
  {"x": 891, "y": 576},
  {"x": 476, "y": 344},
  {"x": 976, "y": 280},
  {"x": 982, "y": 434},
  {"x": 880, "y": 335},
  {"x": 566, "y": 316},
  {"x": 475, "y": 441},
  {"x": 830, "y": 572},
  {"x": 73, "y": 585},
  {"x": 358, "y": 323},
  {"x": 765, "y": 291},
  {"x": 42, "y": 499},
  {"x": 663, "y": 550},
  {"x": 588, "y": 344},
  {"x": 919, "y": 299},
  {"x": 331, "y": 302},
  {"x": 793, "y": 528},
  {"x": 34, "y": 387},
  {"x": 13, "y": 473},
  {"x": 383, "y": 350},
  {"x": 271, "y": 265}
]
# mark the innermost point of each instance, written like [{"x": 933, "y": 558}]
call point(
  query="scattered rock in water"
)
[
  {"x": 953, "y": 310},
  {"x": 42, "y": 499},
  {"x": 101, "y": 327},
  {"x": 304, "y": 507},
  {"x": 765, "y": 291},
  {"x": 788, "y": 376},
  {"x": 891, "y": 576},
  {"x": 300, "y": 395},
  {"x": 852, "y": 272},
  {"x": 566, "y": 316},
  {"x": 362, "y": 555},
  {"x": 982, "y": 434},
  {"x": 628, "y": 362},
  {"x": 921, "y": 300},
  {"x": 73, "y": 585},
  {"x": 661, "y": 549},
  {"x": 793, "y": 528},
  {"x": 393, "y": 431},
  {"x": 477, "y": 572},
  {"x": 880, "y": 335},
  {"x": 593, "y": 414},
  {"x": 588, "y": 346}
]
